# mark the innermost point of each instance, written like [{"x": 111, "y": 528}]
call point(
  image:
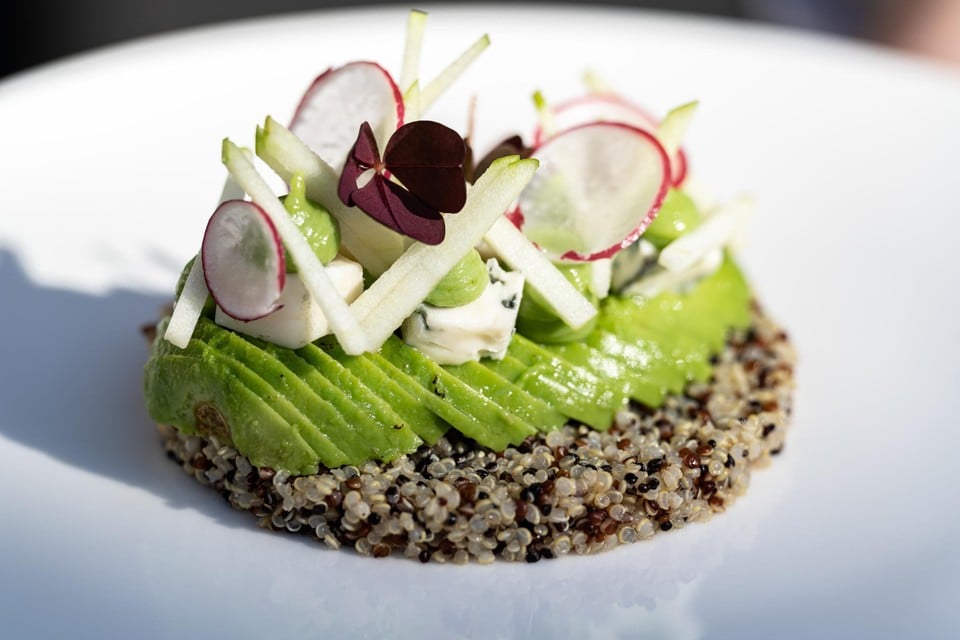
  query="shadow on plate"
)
[{"x": 71, "y": 387}]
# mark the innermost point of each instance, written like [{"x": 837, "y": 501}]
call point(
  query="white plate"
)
[{"x": 110, "y": 166}]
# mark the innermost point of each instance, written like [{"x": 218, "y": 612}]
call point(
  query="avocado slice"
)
[
  {"x": 427, "y": 424},
  {"x": 495, "y": 427},
  {"x": 539, "y": 381},
  {"x": 445, "y": 411},
  {"x": 686, "y": 354},
  {"x": 201, "y": 395},
  {"x": 327, "y": 408},
  {"x": 371, "y": 415},
  {"x": 290, "y": 407},
  {"x": 511, "y": 397},
  {"x": 550, "y": 374},
  {"x": 635, "y": 383}
]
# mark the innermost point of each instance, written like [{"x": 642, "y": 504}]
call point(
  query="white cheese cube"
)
[
  {"x": 299, "y": 321},
  {"x": 478, "y": 329}
]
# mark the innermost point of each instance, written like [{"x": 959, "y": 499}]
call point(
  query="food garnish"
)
[{"x": 427, "y": 158}]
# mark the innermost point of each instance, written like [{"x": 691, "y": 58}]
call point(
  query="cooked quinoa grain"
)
[{"x": 574, "y": 490}]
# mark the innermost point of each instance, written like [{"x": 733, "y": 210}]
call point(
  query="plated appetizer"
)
[{"x": 417, "y": 349}]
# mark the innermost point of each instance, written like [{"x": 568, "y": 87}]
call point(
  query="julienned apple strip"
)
[
  {"x": 397, "y": 293},
  {"x": 342, "y": 322},
  {"x": 410, "y": 70},
  {"x": 436, "y": 87},
  {"x": 189, "y": 305},
  {"x": 370, "y": 243},
  {"x": 519, "y": 253}
]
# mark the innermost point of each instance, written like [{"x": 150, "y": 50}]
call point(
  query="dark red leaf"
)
[
  {"x": 512, "y": 146},
  {"x": 427, "y": 157},
  {"x": 440, "y": 188},
  {"x": 393, "y": 206},
  {"x": 365, "y": 149},
  {"x": 362, "y": 157}
]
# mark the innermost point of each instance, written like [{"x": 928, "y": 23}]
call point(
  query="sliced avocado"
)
[
  {"x": 636, "y": 383},
  {"x": 199, "y": 394},
  {"x": 327, "y": 408},
  {"x": 499, "y": 427},
  {"x": 292, "y": 409},
  {"x": 447, "y": 412},
  {"x": 642, "y": 355},
  {"x": 686, "y": 353},
  {"x": 508, "y": 395},
  {"x": 603, "y": 398},
  {"x": 371, "y": 415},
  {"x": 541, "y": 381},
  {"x": 427, "y": 424}
]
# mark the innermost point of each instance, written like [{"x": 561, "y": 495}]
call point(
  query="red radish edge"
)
[
  {"x": 397, "y": 94},
  {"x": 681, "y": 173},
  {"x": 517, "y": 218},
  {"x": 603, "y": 98},
  {"x": 678, "y": 164},
  {"x": 281, "y": 265}
]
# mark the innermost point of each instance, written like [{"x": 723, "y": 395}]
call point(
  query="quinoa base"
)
[{"x": 574, "y": 490}]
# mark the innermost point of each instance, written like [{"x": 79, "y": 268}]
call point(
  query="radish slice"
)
[
  {"x": 339, "y": 101},
  {"x": 189, "y": 306},
  {"x": 243, "y": 263},
  {"x": 600, "y": 107},
  {"x": 609, "y": 107},
  {"x": 598, "y": 188}
]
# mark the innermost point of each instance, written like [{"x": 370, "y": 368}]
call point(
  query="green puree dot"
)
[
  {"x": 678, "y": 214},
  {"x": 317, "y": 225},
  {"x": 538, "y": 321},
  {"x": 464, "y": 283}
]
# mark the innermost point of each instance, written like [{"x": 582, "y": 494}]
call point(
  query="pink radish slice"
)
[
  {"x": 339, "y": 101},
  {"x": 598, "y": 187},
  {"x": 597, "y": 107},
  {"x": 243, "y": 260},
  {"x": 609, "y": 107}
]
